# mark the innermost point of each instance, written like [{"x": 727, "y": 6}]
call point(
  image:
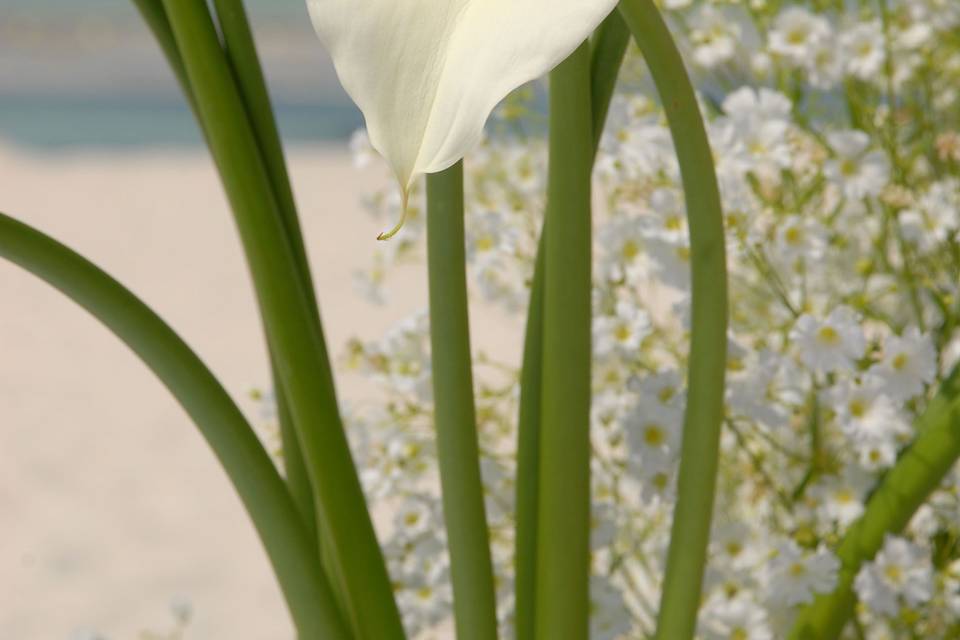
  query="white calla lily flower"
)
[{"x": 427, "y": 73}]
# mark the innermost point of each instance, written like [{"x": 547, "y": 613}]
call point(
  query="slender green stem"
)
[
  {"x": 242, "y": 55},
  {"x": 528, "y": 458},
  {"x": 359, "y": 570},
  {"x": 708, "y": 342},
  {"x": 291, "y": 550},
  {"x": 471, "y": 568},
  {"x": 917, "y": 473},
  {"x": 608, "y": 47},
  {"x": 236, "y": 31},
  {"x": 156, "y": 18},
  {"x": 294, "y": 466},
  {"x": 563, "y": 571}
]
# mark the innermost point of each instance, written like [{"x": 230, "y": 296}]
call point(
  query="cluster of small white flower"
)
[{"x": 841, "y": 190}]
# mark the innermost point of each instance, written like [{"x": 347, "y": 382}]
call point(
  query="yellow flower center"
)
[
  {"x": 485, "y": 243},
  {"x": 653, "y": 435},
  {"x": 797, "y": 569},
  {"x": 844, "y": 496},
  {"x": 828, "y": 336},
  {"x": 893, "y": 573},
  {"x": 630, "y": 250},
  {"x": 857, "y": 408},
  {"x": 900, "y": 361},
  {"x": 796, "y": 36}
]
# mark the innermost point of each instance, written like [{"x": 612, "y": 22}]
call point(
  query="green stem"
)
[
  {"x": 358, "y": 567},
  {"x": 917, "y": 473},
  {"x": 250, "y": 79},
  {"x": 241, "y": 53},
  {"x": 294, "y": 466},
  {"x": 471, "y": 568},
  {"x": 608, "y": 47},
  {"x": 708, "y": 342},
  {"x": 563, "y": 566},
  {"x": 156, "y": 18},
  {"x": 528, "y": 458},
  {"x": 261, "y": 489}
]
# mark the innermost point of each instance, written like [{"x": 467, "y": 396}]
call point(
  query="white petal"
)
[{"x": 427, "y": 73}]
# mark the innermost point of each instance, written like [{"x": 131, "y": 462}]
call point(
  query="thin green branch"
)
[
  {"x": 690, "y": 534},
  {"x": 563, "y": 571},
  {"x": 291, "y": 550},
  {"x": 917, "y": 473},
  {"x": 358, "y": 569},
  {"x": 156, "y": 18},
  {"x": 241, "y": 53},
  {"x": 528, "y": 458},
  {"x": 607, "y": 50},
  {"x": 608, "y": 47},
  {"x": 471, "y": 568}
]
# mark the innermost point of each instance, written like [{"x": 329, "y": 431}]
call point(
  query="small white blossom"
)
[
  {"x": 909, "y": 362},
  {"x": 834, "y": 343},
  {"x": 900, "y": 570},
  {"x": 863, "y": 49},
  {"x": 795, "y": 32},
  {"x": 857, "y": 172},
  {"x": 795, "y": 576}
]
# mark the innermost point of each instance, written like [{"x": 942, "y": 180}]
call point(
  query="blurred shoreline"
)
[{"x": 88, "y": 73}]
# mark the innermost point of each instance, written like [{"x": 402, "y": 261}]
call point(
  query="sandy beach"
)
[{"x": 111, "y": 503}]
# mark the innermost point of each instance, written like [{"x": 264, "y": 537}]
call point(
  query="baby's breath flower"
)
[{"x": 900, "y": 571}]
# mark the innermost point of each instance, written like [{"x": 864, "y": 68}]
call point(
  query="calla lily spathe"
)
[{"x": 427, "y": 73}]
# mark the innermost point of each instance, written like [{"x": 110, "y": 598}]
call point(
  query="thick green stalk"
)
[
  {"x": 563, "y": 566},
  {"x": 242, "y": 55},
  {"x": 291, "y": 550},
  {"x": 917, "y": 473},
  {"x": 607, "y": 48},
  {"x": 471, "y": 568},
  {"x": 690, "y": 534},
  {"x": 296, "y": 342}
]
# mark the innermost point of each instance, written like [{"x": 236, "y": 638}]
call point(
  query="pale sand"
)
[{"x": 110, "y": 502}]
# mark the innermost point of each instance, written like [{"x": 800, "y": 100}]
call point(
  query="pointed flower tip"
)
[
  {"x": 404, "y": 205},
  {"x": 427, "y": 75}
]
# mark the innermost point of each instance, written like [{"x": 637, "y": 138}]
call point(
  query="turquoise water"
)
[{"x": 57, "y": 124}]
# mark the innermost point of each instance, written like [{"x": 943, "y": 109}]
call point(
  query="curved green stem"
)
[
  {"x": 261, "y": 489},
  {"x": 917, "y": 473},
  {"x": 471, "y": 568},
  {"x": 563, "y": 571},
  {"x": 708, "y": 342},
  {"x": 295, "y": 339},
  {"x": 607, "y": 49}
]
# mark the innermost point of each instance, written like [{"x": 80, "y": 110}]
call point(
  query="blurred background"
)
[{"x": 86, "y": 73}]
